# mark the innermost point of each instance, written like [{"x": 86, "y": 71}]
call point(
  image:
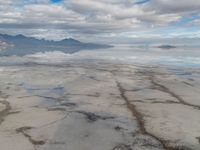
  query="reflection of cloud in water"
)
[
  {"x": 38, "y": 90},
  {"x": 178, "y": 57}
]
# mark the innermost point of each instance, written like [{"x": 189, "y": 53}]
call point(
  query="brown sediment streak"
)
[
  {"x": 188, "y": 84},
  {"x": 163, "y": 88},
  {"x": 31, "y": 140},
  {"x": 155, "y": 101},
  {"x": 95, "y": 79},
  {"x": 92, "y": 117},
  {"x": 198, "y": 138},
  {"x": 135, "y": 113},
  {"x": 141, "y": 122},
  {"x": 132, "y": 108},
  {"x": 89, "y": 95},
  {"x": 5, "y": 111}
]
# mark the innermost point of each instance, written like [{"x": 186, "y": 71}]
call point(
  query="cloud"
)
[
  {"x": 195, "y": 22},
  {"x": 92, "y": 17},
  {"x": 174, "y": 6},
  {"x": 3, "y": 2}
]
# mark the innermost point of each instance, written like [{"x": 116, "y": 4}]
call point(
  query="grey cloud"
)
[
  {"x": 103, "y": 17},
  {"x": 175, "y": 6}
]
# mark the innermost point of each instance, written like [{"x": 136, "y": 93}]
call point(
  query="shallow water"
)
[{"x": 179, "y": 57}]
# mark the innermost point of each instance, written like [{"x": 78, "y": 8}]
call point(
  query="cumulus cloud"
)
[{"x": 92, "y": 17}]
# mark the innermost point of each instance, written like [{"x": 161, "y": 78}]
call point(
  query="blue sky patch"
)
[
  {"x": 187, "y": 19},
  {"x": 56, "y": 1},
  {"x": 141, "y": 2}
]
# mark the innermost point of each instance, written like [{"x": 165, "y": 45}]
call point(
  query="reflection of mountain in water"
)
[
  {"x": 21, "y": 45},
  {"x": 166, "y": 46}
]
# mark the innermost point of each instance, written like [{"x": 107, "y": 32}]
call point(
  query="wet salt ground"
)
[
  {"x": 82, "y": 118},
  {"x": 99, "y": 105}
]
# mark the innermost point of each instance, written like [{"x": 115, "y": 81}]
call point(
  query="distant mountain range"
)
[{"x": 22, "y": 45}]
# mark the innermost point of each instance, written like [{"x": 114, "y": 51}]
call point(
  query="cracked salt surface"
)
[{"x": 97, "y": 104}]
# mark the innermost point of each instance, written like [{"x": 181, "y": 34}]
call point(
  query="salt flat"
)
[{"x": 99, "y": 105}]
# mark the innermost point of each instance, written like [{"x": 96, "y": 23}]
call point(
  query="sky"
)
[{"x": 101, "y": 20}]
